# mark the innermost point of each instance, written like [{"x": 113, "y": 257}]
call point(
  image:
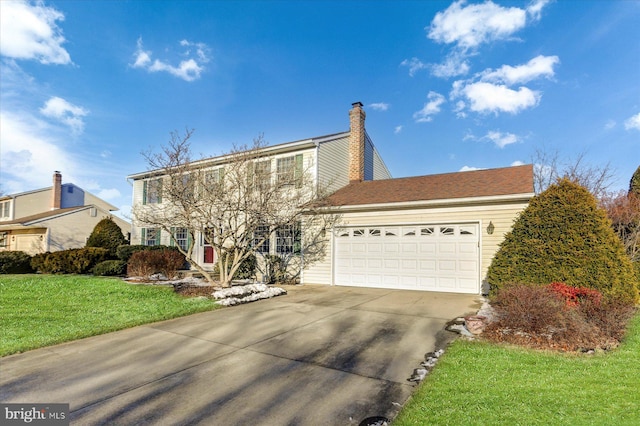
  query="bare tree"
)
[
  {"x": 548, "y": 168},
  {"x": 623, "y": 210},
  {"x": 236, "y": 205}
]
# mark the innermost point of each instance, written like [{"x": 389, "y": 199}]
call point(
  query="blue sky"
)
[{"x": 86, "y": 86}]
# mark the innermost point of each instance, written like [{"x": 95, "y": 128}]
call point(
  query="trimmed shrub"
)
[
  {"x": 144, "y": 263},
  {"x": 124, "y": 252},
  {"x": 73, "y": 261},
  {"x": 563, "y": 236},
  {"x": 540, "y": 317},
  {"x": 106, "y": 234},
  {"x": 110, "y": 268},
  {"x": 15, "y": 262}
]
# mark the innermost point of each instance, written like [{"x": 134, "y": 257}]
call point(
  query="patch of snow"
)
[
  {"x": 268, "y": 293},
  {"x": 241, "y": 290}
]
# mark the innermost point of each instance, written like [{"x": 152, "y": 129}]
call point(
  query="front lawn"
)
[
  {"x": 42, "y": 310},
  {"x": 478, "y": 383}
]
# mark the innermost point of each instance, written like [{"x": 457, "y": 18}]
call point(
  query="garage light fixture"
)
[{"x": 490, "y": 228}]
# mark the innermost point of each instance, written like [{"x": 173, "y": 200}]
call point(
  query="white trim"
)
[{"x": 430, "y": 203}]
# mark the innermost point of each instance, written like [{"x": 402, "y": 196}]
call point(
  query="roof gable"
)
[{"x": 448, "y": 186}]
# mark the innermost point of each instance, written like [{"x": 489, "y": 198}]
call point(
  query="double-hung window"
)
[
  {"x": 288, "y": 239},
  {"x": 261, "y": 240},
  {"x": 262, "y": 174},
  {"x": 181, "y": 238},
  {"x": 152, "y": 191},
  {"x": 4, "y": 239},
  {"x": 5, "y": 209},
  {"x": 151, "y": 236},
  {"x": 289, "y": 170}
]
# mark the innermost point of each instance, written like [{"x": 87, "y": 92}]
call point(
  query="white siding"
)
[{"x": 502, "y": 216}]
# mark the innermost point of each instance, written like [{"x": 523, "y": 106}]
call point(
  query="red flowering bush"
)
[{"x": 574, "y": 296}]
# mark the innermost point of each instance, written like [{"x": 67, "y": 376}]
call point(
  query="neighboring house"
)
[
  {"x": 51, "y": 219},
  {"x": 434, "y": 233}
]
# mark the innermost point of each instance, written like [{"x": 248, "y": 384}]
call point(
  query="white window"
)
[
  {"x": 374, "y": 232},
  {"x": 5, "y": 209},
  {"x": 261, "y": 176},
  {"x": 181, "y": 238},
  {"x": 288, "y": 239},
  {"x": 426, "y": 231},
  {"x": 358, "y": 232},
  {"x": 151, "y": 236},
  {"x": 4, "y": 239},
  {"x": 447, "y": 230},
  {"x": 289, "y": 170},
  {"x": 152, "y": 191},
  {"x": 261, "y": 241}
]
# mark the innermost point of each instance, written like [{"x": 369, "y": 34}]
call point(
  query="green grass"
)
[
  {"x": 484, "y": 384},
  {"x": 42, "y": 310}
]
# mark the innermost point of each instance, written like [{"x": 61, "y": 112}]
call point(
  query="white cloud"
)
[
  {"x": 397, "y": 129},
  {"x": 29, "y": 155},
  {"x": 534, "y": 9},
  {"x": 454, "y": 65},
  {"x": 517, "y": 163},
  {"x": 188, "y": 70},
  {"x": 65, "y": 112},
  {"x": 469, "y": 169},
  {"x": 633, "y": 122},
  {"x": 430, "y": 108},
  {"x": 486, "y": 97},
  {"x": 540, "y": 66},
  {"x": 467, "y": 27},
  {"x": 379, "y": 106},
  {"x": 29, "y": 31},
  {"x": 501, "y": 139},
  {"x": 414, "y": 65}
]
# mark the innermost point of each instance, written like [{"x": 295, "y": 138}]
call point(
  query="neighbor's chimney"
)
[
  {"x": 356, "y": 143},
  {"x": 56, "y": 191}
]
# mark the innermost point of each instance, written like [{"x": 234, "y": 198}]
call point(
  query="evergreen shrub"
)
[
  {"x": 72, "y": 261},
  {"x": 106, "y": 234},
  {"x": 110, "y": 268},
  {"x": 15, "y": 262},
  {"x": 563, "y": 236}
]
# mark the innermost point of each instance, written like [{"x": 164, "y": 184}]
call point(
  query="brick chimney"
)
[
  {"x": 56, "y": 191},
  {"x": 356, "y": 143}
]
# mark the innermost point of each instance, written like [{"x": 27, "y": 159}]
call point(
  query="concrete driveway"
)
[{"x": 319, "y": 355}]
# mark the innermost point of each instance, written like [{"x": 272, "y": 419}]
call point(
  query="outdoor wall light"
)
[{"x": 490, "y": 228}]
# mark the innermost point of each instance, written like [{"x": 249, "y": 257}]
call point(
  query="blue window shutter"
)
[
  {"x": 159, "y": 190},
  {"x": 144, "y": 236}
]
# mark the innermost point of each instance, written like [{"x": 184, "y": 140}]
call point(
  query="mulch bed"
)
[{"x": 194, "y": 290}]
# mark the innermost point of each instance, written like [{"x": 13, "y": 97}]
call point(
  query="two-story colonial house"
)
[
  {"x": 56, "y": 218},
  {"x": 432, "y": 232}
]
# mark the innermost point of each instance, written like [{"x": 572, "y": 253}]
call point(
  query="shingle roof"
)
[{"x": 479, "y": 183}]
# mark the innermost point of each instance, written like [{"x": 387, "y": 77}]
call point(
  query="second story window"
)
[
  {"x": 261, "y": 174},
  {"x": 152, "y": 191},
  {"x": 289, "y": 170},
  {"x": 5, "y": 209}
]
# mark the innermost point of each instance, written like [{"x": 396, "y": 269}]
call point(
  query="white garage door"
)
[{"x": 419, "y": 257}]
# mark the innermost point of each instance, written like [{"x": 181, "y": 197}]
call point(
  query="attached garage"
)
[
  {"x": 436, "y": 257},
  {"x": 430, "y": 233}
]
